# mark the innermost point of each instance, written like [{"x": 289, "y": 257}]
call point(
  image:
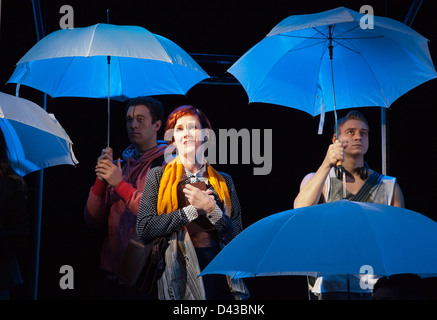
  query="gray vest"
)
[{"x": 381, "y": 191}]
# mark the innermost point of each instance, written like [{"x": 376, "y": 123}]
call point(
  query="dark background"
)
[{"x": 211, "y": 27}]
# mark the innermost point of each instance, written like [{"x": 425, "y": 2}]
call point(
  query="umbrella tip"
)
[{"x": 107, "y": 16}]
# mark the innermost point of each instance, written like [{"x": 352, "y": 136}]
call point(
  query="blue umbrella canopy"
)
[
  {"x": 292, "y": 67},
  {"x": 74, "y": 63},
  {"x": 107, "y": 61},
  {"x": 332, "y": 239},
  {"x": 34, "y": 138}
]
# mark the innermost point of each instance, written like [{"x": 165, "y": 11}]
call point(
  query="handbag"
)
[{"x": 143, "y": 264}]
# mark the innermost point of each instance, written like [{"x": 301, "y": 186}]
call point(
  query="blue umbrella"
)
[
  {"x": 327, "y": 61},
  {"x": 34, "y": 138},
  {"x": 107, "y": 61},
  {"x": 336, "y": 238}
]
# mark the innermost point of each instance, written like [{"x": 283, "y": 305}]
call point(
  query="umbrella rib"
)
[
  {"x": 62, "y": 77},
  {"x": 374, "y": 237},
  {"x": 374, "y": 77},
  {"x": 300, "y": 37},
  {"x": 318, "y": 76},
  {"x": 68, "y": 144},
  {"x": 271, "y": 243},
  {"x": 326, "y": 36},
  {"x": 346, "y": 47},
  {"x": 168, "y": 64},
  {"x": 346, "y": 31},
  {"x": 376, "y": 80},
  {"x": 296, "y": 49},
  {"x": 308, "y": 46},
  {"x": 121, "y": 76},
  {"x": 91, "y": 41}
]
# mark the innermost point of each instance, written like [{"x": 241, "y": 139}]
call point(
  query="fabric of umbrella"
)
[
  {"x": 34, "y": 138},
  {"x": 326, "y": 61},
  {"x": 107, "y": 61},
  {"x": 335, "y": 238}
]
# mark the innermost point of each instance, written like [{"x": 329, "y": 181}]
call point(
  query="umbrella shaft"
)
[
  {"x": 109, "y": 103},
  {"x": 330, "y": 47},
  {"x": 344, "y": 184}
]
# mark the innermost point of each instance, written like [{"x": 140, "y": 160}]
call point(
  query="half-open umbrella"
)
[
  {"x": 107, "y": 61},
  {"x": 34, "y": 138},
  {"x": 336, "y": 238}
]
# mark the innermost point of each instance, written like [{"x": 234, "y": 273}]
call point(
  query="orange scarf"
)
[{"x": 167, "y": 194}]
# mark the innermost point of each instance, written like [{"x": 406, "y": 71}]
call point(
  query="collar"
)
[{"x": 197, "y": 175}]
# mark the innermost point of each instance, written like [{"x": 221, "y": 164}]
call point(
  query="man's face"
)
[
  {"x": 140, "y": 129},
  {"x": 355, "y": 135}
]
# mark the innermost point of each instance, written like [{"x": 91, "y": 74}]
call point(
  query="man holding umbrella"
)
[
  {"x": 114, "y": 199},
  {"x": 362, "y": 184}
]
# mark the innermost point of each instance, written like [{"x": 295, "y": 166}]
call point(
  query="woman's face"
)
[{"x": 188, "y": 136}]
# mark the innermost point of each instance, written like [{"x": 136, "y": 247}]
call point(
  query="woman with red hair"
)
[{"x": 196, "y": 208}]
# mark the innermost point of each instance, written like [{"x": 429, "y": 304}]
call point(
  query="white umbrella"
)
[
  {"x": 107, "y": 61},
  {"x": 34, "y": 138}
]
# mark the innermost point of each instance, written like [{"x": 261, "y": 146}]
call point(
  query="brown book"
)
[
  {"x": 182, "y": 199},
  {"x": 201, "y": 224}
]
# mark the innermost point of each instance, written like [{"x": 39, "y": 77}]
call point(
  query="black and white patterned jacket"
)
[{"x": 150, "y": 225}]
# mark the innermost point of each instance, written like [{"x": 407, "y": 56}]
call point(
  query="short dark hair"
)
[
  {"x": 351, "y": 115},
  {"x": 155, "y": 107}
]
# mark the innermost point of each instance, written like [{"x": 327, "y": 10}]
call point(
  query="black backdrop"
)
[{"x": 213, "y": 27}]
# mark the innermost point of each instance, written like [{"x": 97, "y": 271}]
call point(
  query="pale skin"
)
[
  {"x": 354, "y": 144},
  {"x": 142, "y": 134},
  {"x": 188, "y": 139}
]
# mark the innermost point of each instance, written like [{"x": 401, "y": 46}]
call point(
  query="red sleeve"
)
[
  {"x": 99, "y": 187},
  {"x": 95, "y": 211},
  {"x": 124, "y": 190}
]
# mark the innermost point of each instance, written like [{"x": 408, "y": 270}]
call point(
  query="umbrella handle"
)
[
  {"x": 339, "y": 170},
  {"x": 341, "y": 174}
]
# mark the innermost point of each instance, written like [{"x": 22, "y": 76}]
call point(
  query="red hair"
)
[{"x": 183, "y": 111}]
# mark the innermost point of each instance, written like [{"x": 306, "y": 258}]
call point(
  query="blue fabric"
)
[
  {"x": 332, "y": 238},
  {"x": 291, "y": 66},
  {"x": 74, "y": 63}
]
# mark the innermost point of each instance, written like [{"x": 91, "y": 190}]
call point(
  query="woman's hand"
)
[{"x": 201, "y": 200}]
